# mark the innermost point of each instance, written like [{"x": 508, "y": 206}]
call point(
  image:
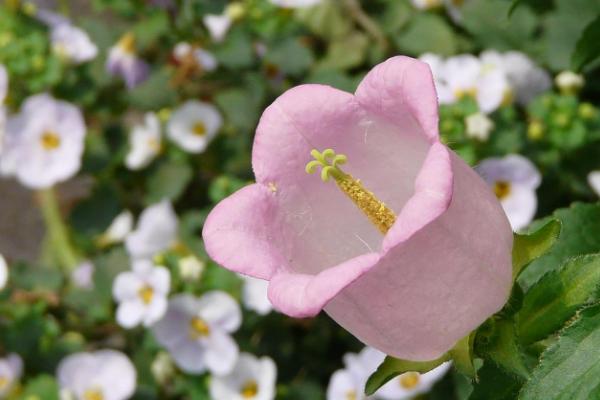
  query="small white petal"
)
[
  {"x": 145, "y": 143},
  {"x": 248, "y": 369},
  {"x": 182, "y": 125},
  {"x": 3, "y": 272},
  {"x": 295, "y": 3},
  {"x": 126, "y": 286},
  {"x": 217, "y": 26},
  {"x": 221, "y": 352},
  {"x": 130, "y": 313},
  {"x": 156, "y": 231},
  {"x": 220, "y": 309},
  {"x": 254, "y": 295},
  {"x": 155, "y": 310},
  {"x": 73, "y": 43},
  {"x": 594, "y": 181},
  {"x": 478, "y": 126},
  {"x": 83, "y": 275}
]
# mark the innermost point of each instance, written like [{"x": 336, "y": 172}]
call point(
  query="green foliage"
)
[
  {"x": 586, "y": 49},
  {"x": 528, "y": 247}
]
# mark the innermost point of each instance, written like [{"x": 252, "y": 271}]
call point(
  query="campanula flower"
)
[{"x": 399, "y": 240}]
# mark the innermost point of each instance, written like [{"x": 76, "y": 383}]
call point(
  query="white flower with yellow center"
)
[
  {"x": 526, "y": 79},
  {"x": 478, "y": 126},
  {"x": 44, "y": 142},
  {"x": 569, "y": 82},
  {"x": 426, "y": 4},
  {"x": 196, "y": 331},
  {"x": 594, "y": 181},
  {"x": 156, "y": 231},
  {"x": 252, "y": 378},
  {"x": 123, "y": 61},
  {"x": 514, "y": 180},
  {"x": 118, "y": 229},
  {"x": 100, "y": 375},
  {"x": 411, "y": 384},
  {"x": 72, "y": 43},
  {"x": 11, "y": 368},
  {"x": 141, "y": 294},
  {"x": 218, "y": 25},
  {"x": 254, "y": 295},
  {"x": 190, "y": 268},
  {"x": 145, "y": 143},
  {"x": 349, "y": 383},
  {"x": 193, "y": 125}
]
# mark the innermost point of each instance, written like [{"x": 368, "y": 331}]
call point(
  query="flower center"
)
[
  {"x": 154, "y": 145},
  {"x": 467, "y": 92},
  {"x": 249, "y": 389},
  {"x": 199, "y": 129},
  {"x": 4, "y": 382},
  {"x": 351, "y": 395},
  {"x": 508, "y": 97},
  {"x": 93, "y": 394},
  {"x": 146, "y": 293},
  {"x": 198, "y": 328},
  {"x": 409, "y": 380},
  {"x": 127, "y": 43},
  {"x": 50, "y": 140},
  {"x": 502, "y": 189},
  {"x": 378, "y": 213}
]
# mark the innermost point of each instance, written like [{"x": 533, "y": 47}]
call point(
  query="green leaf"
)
[
  {"x": 154, "y": 93},
  {"x": 42, "y": 387},
  {"x": 569, "y": 369},
  {"x": 392, "y": 367},
  {"x": 531, "y": 245},
  {"x": 290, "y": 56},
  {"x": 427, "y": 33},
  {"x": 586, "y": 49},
  {"x": 168, "y": 181},
  {"x": 495, "y": 384},
  {"x": 326, "y": 19},
  {"x": 580, "y": 234},
  {"x": 345, "y": 53},
  {"x": 498, "y": 343},
  {"x": 236, "y": 51},
  {"x": 557, "y": 297}
]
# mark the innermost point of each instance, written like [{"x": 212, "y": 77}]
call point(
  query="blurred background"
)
[{"x": 124, "y": 122}]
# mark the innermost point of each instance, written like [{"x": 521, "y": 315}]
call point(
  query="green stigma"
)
[{"x": 376, "y": 210}]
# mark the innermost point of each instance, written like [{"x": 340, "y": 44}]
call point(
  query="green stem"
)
[
  {"x": 56, "y": 230},
  {"x": 365, "y": 22}
]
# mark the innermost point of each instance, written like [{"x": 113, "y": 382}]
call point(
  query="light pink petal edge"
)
[{"x": 398, "y": 84}]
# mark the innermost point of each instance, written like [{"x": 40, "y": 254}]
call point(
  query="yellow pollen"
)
[
  {"x": 4, "y": 382},
  {"x": 502, "y": 189},
  {"x": 146, "y": 293},
  {"x": 272, "y": 187},
  {"x": 154, "y": 145},
  {"x": 249, "y": 389},
  {"x": 378, "y": 213},
  {"x": 127, "y": 43},
  {"x": 351, "y": 395},
  {"x": 409, "y": 380},
  {"x": 469, "y": 92},
  {"x": 199, "y": 129},
  {"x": 198, "y": 328},
  {"x": 93, "y": 394},
  {"x": 50, "y": 140}
]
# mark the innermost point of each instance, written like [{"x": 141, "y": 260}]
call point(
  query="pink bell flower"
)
[{"x": 405, "y": 246}]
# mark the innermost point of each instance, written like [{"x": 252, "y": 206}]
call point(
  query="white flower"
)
[
  {"x": 295, "y": 3},
  {"x": 83, "y": 275},
  {"x": 103, "y": 374},
  {"x": 144, "y": 143},
  {"x": 156, "y": 231},
  {"x": 118, "y": 229},
  {"x": 196, "y": 332},
  {"x": 411, "y": 384},
  {"x": 72, "y": 43},
  {"x": 349, "y": 383},
  {"x": 479, "y": 126},
  {"x": 141, "y": 294},
  {"x": 123, "y": 60},
  {"x": 162, "y": 368},
  {"x": 526, "y": 79},
  {"x": 193, "y": 125},
  {"x": 44, "y": 142},
  {"x": 254, "y": 295},
  {"x": 251, "y": 378},
  {"x": 594, "y": 181},
  {"x": 514, "y": 180},
  {"x": 217, "y": 25},
  {"x": 11, "y": 368},
  {"x": 184, "y": 51},
  {"x": 190, "y": 268},
  {"x": 3, "y": 83},
  {"x": 3, "y": 272},
  {"x": 426, "y": 4},
  {"x": 569, "y": 82}
]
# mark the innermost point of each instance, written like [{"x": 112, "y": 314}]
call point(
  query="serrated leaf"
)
[
  {"x": 569, "y": 369},
  {"x": 502, "y": 347},
  {"x": 557, "y": 297},
  {"x": 586, "y": 49},
  {"x": 392, "y": 367},
  {"x": 580, "y": 234},
  {"x": 530, "y": 246}
]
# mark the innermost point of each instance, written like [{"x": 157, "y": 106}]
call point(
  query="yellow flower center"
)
[
  {"x": 127, "y": 43},
  {"x": 249, "y": 389},
  {"x": 502, "y": 189},
  {"x": 154, "y": 145},
  {"x": 50, "y": 140},
  {"x": 146, "y": 293},
  {"x": 4, "y": 382},
  {"x": 468, "y": 92},
  {"x": 93, "y": 394},
  {"x": 351, "y": 395},
  {"x": 198, "y": 328},
  {"x": 199, "y": 129},
  {"x": 376, "y": 211},
  {"x": 409, "y": 380},
  {"x": 508, "y": 97}
]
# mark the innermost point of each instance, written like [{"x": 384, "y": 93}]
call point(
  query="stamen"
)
[
  {"x": 502, "y": 189},
  {"x": 146, "y": 293},
  {"x": 93, "y": 394},
  {"x": 409, "y": 380},
  {"x": 199, "y": 128},
  {"x": 376, "y": 210},
  {"x": 50, "y": 140},
  {"x": 127, "y": 43},
  {"x": 249, "y": 389},
  {"x": 198, "y": 328}
]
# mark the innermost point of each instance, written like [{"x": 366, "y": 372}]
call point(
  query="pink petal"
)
[{"x": 402, "y": 90}]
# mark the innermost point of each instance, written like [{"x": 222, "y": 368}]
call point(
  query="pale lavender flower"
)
[{"x": 124, "y": 62}]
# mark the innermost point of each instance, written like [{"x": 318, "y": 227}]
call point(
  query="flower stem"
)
[
  {"x": 365, "y": 22},
  {"x": 56, "y": 231}
]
